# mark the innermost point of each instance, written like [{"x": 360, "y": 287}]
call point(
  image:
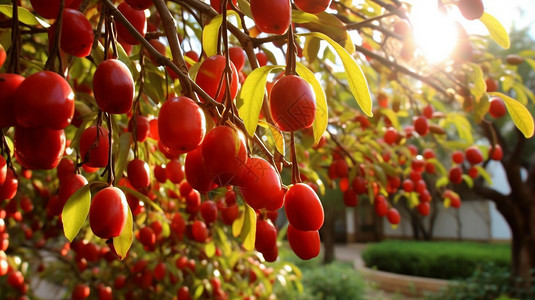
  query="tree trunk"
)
[{"x": 328, "y": 231}]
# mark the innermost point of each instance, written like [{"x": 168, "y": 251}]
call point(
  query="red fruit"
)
[
  {"x": 496, "y": 153},
  {"x": 418, "y": 164},
  {"x": 359, "y": 185},
  {"x": 8, "y": 85},
  {"x": 181, "y": 124},
  {"x": 424, "y": 208},
  {"x": 216, "y": 4},
  {"x": 455, "y": 202},
  {"x": 105, "y": 293},
  {"x": 260, "y": 185},
  {"x": 68, "y": 186},
  {"x": 159, "y": 271},
  {"x": 492, "y": 85},
  {"x": 39, "y": 148},
  {"x": 142, "y": 127},
  {"x": 262, "y": 59},
  {"x": 113, "y": 86},
  {"x": 210, "y": 76},
  {"x": 178, "y": 226},
  {"x": 272, "y": 16},
  {"x": 408, "y": 185},
  {"x": 65, "y": 168},
  {"x": 473, "y": 155},
  {"x": 305, "y": 244},
  {"x": 138, "y": 173},
  {"x": 457, "y": 157},
  {"x": 93, "y": 151},
  {"x": 381, "y": 206},
  {"x": 350, "y": 198},
  {"x": 3, "y": 170},
  {"x": 391, "y": 136},
  {"x": 428, "y": 111},
  {"x": 173, "y": 171},
  {"x": 303, "y": 208},
  {"x": 230, "y": 214},
  {"x": 312, "y": 6},
  {"x": 4, "y": 267},
  {"x": 428, "y": 154},
  {"x": 76, "y": 33},
  {"x": 15, "y": 279},
  {"x": 473, "y": 172},
  {"x": 237, "y": 56},
  {"x": 209, "y": 211},
  {"x": 108, "y": 212},
  {"x": 159, "y": 173},
  {"x": 154, "y": 129},
  {"x": 199, "y": 231},
  {"x": 224, "y": 154},
  {"x": 183, "y": 293},
  {"x": 456, "y": 175},
  {"x": 292, "y": 103},
  {"x": 44, "y": 99},
  {"x": 471, "y": 9},
  {"x": 136, "y": 18},
  {"x": 402, "y": 27},
  {"x": 393, "y": 216},
  {"x": 80, "y": 292},
  {"x": 497, "y": 108},
  {"x": 139, "y": 4},
  {"x": 266, "y": 236},
  {"x": 147, "y": 237},
  {"x": 197, "y": 173},
  {"x": 3, "y": 55},
  {"x": 421, "y": 126},
  {"x": 49, "y": 9}
]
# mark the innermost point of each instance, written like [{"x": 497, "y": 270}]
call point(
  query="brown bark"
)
[{"x": 328, "y": 234}]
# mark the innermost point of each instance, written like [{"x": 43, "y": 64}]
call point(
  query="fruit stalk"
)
[{"x": 14, "y": 61}]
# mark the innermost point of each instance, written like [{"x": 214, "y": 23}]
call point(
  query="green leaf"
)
[
  {"x": 496, "y": 30},
  {"x": 245, "y": 8},
  {"x": 321, "y": 120},
  {"x": 123, "y": 242},
  {"x": 124, "y": 148},
  {"x": 355, "y": 77},
  {"x": 248, "y": 233},
  {"x": 519, "y": 113},
  {"x": 75, "y": 212},
  {"x": 25, "y": 16},
  {"x": 252, "y": 96}
]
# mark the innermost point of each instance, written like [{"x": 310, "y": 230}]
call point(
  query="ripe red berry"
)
[
  {"x": 260, "y": 185},
  {"x": 393, "y": 216},
  {"x": 492, "y": 85},
  {"x": 305, "y": 244},
  {"x": 312, "y": 6},
  {"x": 391, "y": 136},
  {"x": 473, "y": 155},
  {"x": 181, "y": 124},
  {"x": 138, "y": 173},
  {"x": 471, "y": 9},
  {"x": 292, "y": 103},
  {"x": 457, "y": 157},
  {"x": 424, "y": 208},
  {"x": 456, "y": 175},
  {"x": 350, "y": 198},
  {"x": 147, "y": 237},
  {"x": 402, "y": 27},
  {"x": 408, "y": 185},
  {"x": 211, "y": 79},
  {"x": 8, "y": 85},
  {"x": 421, "y": 126},
  {"x": 380, "y": 206},
  {"x": 473, "y": 172},
  {"x": 199, "y": 231},
  {"x": 196, "y": 172},
  {"x": 142, "y": 128},
  {"x": 303, "y": 208},
  {"x": 49, "y": 9},
  {"x": 3, "y": 170},
  {"x": 237, "y": 56},
  {"x": 108, "y": 212},
  {"x": 94, "y": 149},
  {"x": 496, "y": 153},
  {"x": 15, "y": 279},
  {"x": 39, "y": 148},
  {"x": 68, "y": 186},
  {"x": 428, "y": 111},
  {"x": 272, "y": 16},
  {"x": 140, "y": 4},
  {"x": 80, "y": 292},
  {"x": 208, "y": 211},
  {"x": 44, "y": 99},
  {"x": 216, "y": 4},
  {"x": 497, "y": 108},
  {"x": 136, "y": 18},
  {"x": 3, "y": 55},
  {"x": 266, "y": 236},
  {"x": 76, "y": 33},
  {"x": 174, "y": 172},
  {"x": 8, "y": 190},
  {"x": 262, "y": 58},
  {"x": 113, "y": 87}
]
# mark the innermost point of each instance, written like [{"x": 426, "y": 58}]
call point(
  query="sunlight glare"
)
[{"x": 434, "y": 33}]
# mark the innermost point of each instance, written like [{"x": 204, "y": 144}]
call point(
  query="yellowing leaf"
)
[
  {"x": 252, "y": 96},
  {"x": 303, "y": 17},
  {"x": 392, "y": 116},
  {"x": 237, "y": 226},
  {"x": 25, "y": 16},
  {"x": 209, "y": 249},
  {"x": 355, "y": 77},
  {"x": 321, "y": 120},
  {"x": 496, "y": 30},
  {"x": 519, "y": 113},
  {"x": 210, "y": 33},
  {"x": 123, "y": 242},
  {"x": 278, "y": 139},
  {"x": 124, "y": 148},
  {"x": 245, "y": 8},
  {"x": 479, "y": 86},
  {"x": 483, "y": 173},
  {"x": 75, "y": 212},
  {"x": 248, "y": 233}
]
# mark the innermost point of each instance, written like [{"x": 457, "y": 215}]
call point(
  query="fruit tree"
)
[{"x": 148, "y": 147}]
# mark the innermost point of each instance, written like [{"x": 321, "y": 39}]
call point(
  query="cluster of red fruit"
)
[{"x": 474, "y": 157}]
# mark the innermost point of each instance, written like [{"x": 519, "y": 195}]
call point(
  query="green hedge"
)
[{"x": 444, "y": 260}]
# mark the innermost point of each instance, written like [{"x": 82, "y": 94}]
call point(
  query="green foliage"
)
[
  {"x": 489, "y": 281},
  {"x": 444, "y": 260}
]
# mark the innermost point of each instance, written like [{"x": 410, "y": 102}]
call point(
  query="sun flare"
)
[{"x": 434, "y": 33}]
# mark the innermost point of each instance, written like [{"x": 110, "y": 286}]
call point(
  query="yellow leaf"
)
[
  {"x": 519, "y": 113},
  {"x": 496, "y": 30},
  {"x": 210, "y": 33},
  {"x": 252, "y": 96},
  {"x": 123, "y": 242},
  {"x": 321, "y": 120},
  {"x": 355, "y": 77},
  {"x": 237, "y": 226},
  {"x": 278, "y": 138},
  {"x": 248, "y": 233}
]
